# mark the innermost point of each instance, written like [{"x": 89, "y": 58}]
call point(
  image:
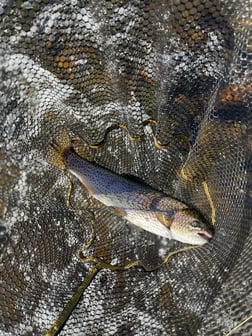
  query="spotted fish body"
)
[{"x": 139, "y": 204}]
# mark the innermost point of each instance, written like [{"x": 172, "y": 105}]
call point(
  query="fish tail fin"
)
[
  {"x": 61, "y": 144},
  {"x": 55, "y": 152}
]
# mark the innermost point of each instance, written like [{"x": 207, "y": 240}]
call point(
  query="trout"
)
[{"x": 138, "y": 203}]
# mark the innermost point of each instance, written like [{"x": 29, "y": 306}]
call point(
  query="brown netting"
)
[{"x": 155, "y": 89}]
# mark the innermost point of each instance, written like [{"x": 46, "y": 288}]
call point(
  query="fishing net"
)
[{"x": 159, "y": 90}]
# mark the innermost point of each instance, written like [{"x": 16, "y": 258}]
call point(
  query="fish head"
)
[{"x": 189, "y": 227}]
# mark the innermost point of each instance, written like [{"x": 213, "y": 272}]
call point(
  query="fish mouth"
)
[{"x": 205, "y": 235}]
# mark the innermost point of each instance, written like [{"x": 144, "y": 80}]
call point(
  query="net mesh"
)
[{"x": 159, "y": 90}]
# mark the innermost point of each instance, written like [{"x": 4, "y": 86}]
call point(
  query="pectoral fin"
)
[
  {"x": 120, "y": 212},
  {"x": 164, "y": 219},
  {"x": 148, "y": 221}
]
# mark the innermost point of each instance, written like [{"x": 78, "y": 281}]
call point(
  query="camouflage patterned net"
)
[{"x": 155, "y": 89}]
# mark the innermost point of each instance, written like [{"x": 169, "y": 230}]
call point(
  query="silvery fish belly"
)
[{"x": 139, "y": 204}]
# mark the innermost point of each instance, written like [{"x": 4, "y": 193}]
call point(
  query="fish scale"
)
[{"x": 141, "y": 205}]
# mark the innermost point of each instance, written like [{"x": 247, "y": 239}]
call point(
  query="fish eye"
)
[{"x": 195, "y": 224}]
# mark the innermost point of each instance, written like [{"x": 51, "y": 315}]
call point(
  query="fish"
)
[{"x": 138, "y": 203}]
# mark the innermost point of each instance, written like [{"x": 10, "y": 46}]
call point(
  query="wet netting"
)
[{"x": 158, "y": 90}]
